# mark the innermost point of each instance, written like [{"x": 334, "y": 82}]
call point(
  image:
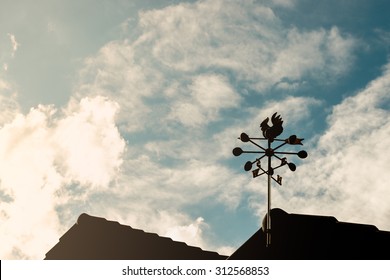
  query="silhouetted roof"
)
[
  {"x": 96, "y": 238},
  {"x": 304, "y": 237},
  {"x": 294, "y": 236}
]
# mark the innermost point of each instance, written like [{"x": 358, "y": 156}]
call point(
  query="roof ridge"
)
[
  {"x": 93, "y": 237},
  {"x": 368, "y": 226},
  {"x": 86, "y": 219}
]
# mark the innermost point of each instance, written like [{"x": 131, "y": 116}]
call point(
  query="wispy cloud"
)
[
  {"x": 181, "y": 47},
  {"x": 247, "y": 38},
  {"x": 284, "y": 3},
  {"x": 208, "y": 94},
  {"x": 346, "y": 173},
  {"x": 15, "y": 45},
  {"x": 9, "y": 106}
]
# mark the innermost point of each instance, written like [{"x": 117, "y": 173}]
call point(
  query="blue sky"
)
[{"x": 129, "y": 110}]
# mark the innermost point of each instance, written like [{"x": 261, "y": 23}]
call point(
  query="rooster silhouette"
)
[{"x": 271, "y": 132}]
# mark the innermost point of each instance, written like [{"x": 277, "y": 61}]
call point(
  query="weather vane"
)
[{"x": 270, "y": 133}]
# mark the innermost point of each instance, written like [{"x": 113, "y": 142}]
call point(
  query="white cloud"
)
[
  {"x": 4, "y": 85},
  {"x": 214, "y": 92},
  {"x": 90, "y": 123},
  {"x": 39, "y": 157},
  {"x": 208, "y": 95},
  {"x": 14, "y": 43},
  {"x": 318, "y": 54},
  {"x": 8, "y": 52},
  {"x": 169, "y": 72},
  {"x": 346, "y": 175},
  {"x": 247, "y": 38},
  {"x": 192, "y": 233},
  {"x": 26, "y": 176},
  {"x": 119, "y": 72},
  {"x": 188, "y": 114}
]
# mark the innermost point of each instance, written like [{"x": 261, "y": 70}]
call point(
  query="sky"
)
[{"x": 129, "y": 110}]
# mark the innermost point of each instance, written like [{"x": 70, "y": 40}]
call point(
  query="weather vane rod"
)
[{"x": 270, "y": 133}]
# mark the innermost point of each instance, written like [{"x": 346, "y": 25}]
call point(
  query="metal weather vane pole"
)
[{"x": 270, "y": 133}]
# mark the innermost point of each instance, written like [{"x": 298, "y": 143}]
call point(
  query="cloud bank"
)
[{"x": 42, "y": 153}]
